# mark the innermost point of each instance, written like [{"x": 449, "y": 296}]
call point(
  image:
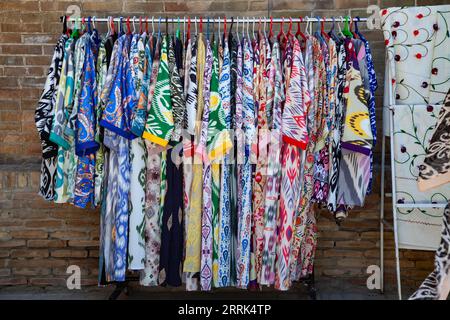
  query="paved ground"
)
[{"x": 325, "y": 291}]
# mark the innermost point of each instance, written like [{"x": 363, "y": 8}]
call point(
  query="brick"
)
[
  {"x": 50, "y": 224},
  {"x": 12, "y": 243},
  {"x": 5, "y": 272},
  {"x": 4, "y": 253},
  {"x": 342, "y": 253},
  {"x": 69, "y": 253},
  {"x": 48, "y": 281},
  {"x": 46, "y": 243},
  {"x": 37, "y": 263},
  {"x": 10, "y": 38},
  {"x": 66, "y": 235},
  {"x": 108, "y": 6},
  {"x": 83, "y": 243},
  {"x": 15, "y": 281},
  {"x": 5, "y": 235},
  {"x": 21, "y": 49},
  {"x": 31, "y": 271},
  {"x": 144, "y": 7},
  {"x": 355, "y": 244},
  {"x": 29, "y": 234},
  {"x": 289, "y": 5},
  {"x": 29, "y": 253}
]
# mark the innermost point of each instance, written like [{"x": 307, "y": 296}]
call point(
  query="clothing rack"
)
[{"x": 308, "y": 282}]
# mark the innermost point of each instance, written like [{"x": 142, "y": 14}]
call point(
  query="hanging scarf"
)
[
  {"x": 224, "y": 205},
  {"x": 190, "y": 82},
  {"x": 207, "y": 211},
  {"x": 215, "y": 117},
  {"x": 356, "y": 138},
  {"x": 140, "y": 113},
  {"x": 296, "y": 106},
  {"x": 102, "y": 71},
  {"x": 65, "y": 85},
  {"x": 86, "y": 146},
  {"x": 357, "y": 135},
  {"x": 245, "y": 174},
  {"x": 72, "y": 107},
  {"x": 235, "y": 70},
  {"x": 149, "y": 276},
  {"x": 171, "y": 224},
  {"x": 259, "y": 182},
  {"x": 176, "y": 89},
  {"x": 335, "y": 135},
  {"x": 138, "y": 160},
  {"x": 314, "y": 66},
  {"x": 275, "y": 96},
  {"x": 117, "y": 114},
  {"x": 123, "y": 179},
  {"x": 435, "y": 169},
  {"x": 159, "y": 126},
  {"x": 192, "y": 262}
]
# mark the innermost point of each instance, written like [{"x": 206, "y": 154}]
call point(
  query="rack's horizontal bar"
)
[
  {"x": 217, "y": 20},
  {"x": 421, "y": 205}
]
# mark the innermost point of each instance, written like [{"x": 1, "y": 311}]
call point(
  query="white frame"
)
[{"x": 383, "y": 223}]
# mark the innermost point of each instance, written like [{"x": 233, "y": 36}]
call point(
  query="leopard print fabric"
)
[{"x": 437, "y": 285}]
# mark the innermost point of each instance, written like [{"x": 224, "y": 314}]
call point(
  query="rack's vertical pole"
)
[
  {"x": 383, "y": 163},
  {"x": 394, "y": 202}
]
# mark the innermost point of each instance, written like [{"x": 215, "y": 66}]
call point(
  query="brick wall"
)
[{"x": 38, "y": 240}]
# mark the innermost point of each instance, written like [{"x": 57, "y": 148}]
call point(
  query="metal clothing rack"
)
[
  {"x": 384, "y": 224},
  {"x": 308, "y": 282}
]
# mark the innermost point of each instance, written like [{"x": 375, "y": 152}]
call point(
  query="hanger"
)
[
  {"x": 271, "y": 28},
  {"x": 281, "y": 33},
  {"x": 89, "y": 25},
  {"x": 308, "y": 27},
  {"x": 289, "y": 34},
  {"x": 225, "y": 26},
  {"x": 331, "y": 33},
  {"x": 120, "y": 29},
  {"x": 159, "y": 28},
  {"x": 195, "y": 25},
  {"x": 128, "y": 25},
  {"x": 346, "y": 32},
  {"x": 299, "y": 30},
  {"x": 322, "y": 30},
  {"x": 259, "y": 33},
  {"x": 355, "y": 33},
  {"x": 167, "y": 27},
  {"x": 178, "y": 33},
  {"x": 75, "y": 32},
  {"x": 253, "y": 29},
  {"x": 188, "y": 33},
  {"x": 317, "y": 32},
  {"x": 264, "y": 27},
  {"x": 218, "y": 30},
  {"x": 207, "y": 29},
  {"x": 153, "y": 26},
  {"x": 231, "y": 26},
  {"x": 64, "y": 21},
  {"x": 237, "y": 30},
  {"x": 108, "y": 33},
  {"x": 184, "y": 29},
  {"x": 201, "y": 25}
]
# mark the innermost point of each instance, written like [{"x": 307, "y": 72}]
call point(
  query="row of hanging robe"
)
[{"x": 207, "y": 157}]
